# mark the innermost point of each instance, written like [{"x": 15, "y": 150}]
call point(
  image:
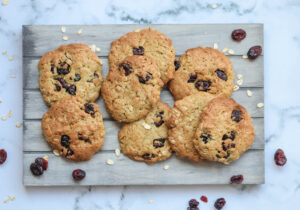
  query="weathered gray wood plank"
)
[
  {"x": 41, "y": 39},
  {"x": 128, "y": 172},
  {"x": 34, "y": 139},
  {"x": 252, "y": 71},
  {"x": 34, "y": 106}
]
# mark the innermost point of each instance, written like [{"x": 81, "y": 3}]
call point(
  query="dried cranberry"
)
[
  {"x": 254, "y": 52},
  {"x": 63, "y": 83},
  {"x": 238, "y": 34},
  {"x": 78, "y": 174},
  {"x": 192, "y": 78},
  {"x": 238, "y": 179},
  {"x": 159, "y": 142},
  {"x": 138, "y": 51},
  {"x": 230, "y": 135},
  {"x": 3, "y": 156},
  {"x": 148, "y": 156},
  {"x": 221, "y": 74},
  {"x": 42, "y": 162},
  {"x": 126, "y": 68},
  {"x": 57, "y": 87},
  {"x": 142, "y": 80},
  {"x": 96, "y": 75},
  {"x": 64, "y": 141},
  {"x": 72, "y": 90},
  {"x": 65, "y": 68},
  {"x": 280, "y": 158},
  {"x": 89, "y": 108},
  {"x": 236, "y": 115},
  {"x": 193, "y": 208},
  {"x": 36, "y": 169},
  {"x": 202, "y": 85},
  {"x": 177, "y": 65},
  {"x": 193, "y": 203},
  {"x": 52, "y": 68},
  {"x": 220, "y": 203},
  {"x": 204, "y": 199},
  {"x": 161, "y": 121},
  {"x": 205, "y": 137},
  {"x": 77, "y": 77},
  {"x": 69, "y": 152}
]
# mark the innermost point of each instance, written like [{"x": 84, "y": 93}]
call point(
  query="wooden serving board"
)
[{"x": 37, "y": 40}]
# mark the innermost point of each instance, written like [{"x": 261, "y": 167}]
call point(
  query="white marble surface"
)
[{"x": 282, "y": 101}]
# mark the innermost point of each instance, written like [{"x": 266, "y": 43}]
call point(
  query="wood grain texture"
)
[
  {"x": 35, "y": 140},
  {"x": 129, "y": 172},
  {"x": 41, "y": 39},
  {"x": 37, "y": 40},
  {"x": 252, "y": 71}
]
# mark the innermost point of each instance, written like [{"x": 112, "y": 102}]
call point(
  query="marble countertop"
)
[{"x": 282, "y": 102}]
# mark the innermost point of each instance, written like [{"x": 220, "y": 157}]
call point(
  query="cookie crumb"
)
[
  {"x": 137, "y": 30},
  {"x": 146, "y": 126},
  {"x": 4, "y": 52},
  {"x": 236, "y": 87},
  {"x": 12, "y": 76},
  {"x": 216, "y": 46},
  {"x": 225, "y": 49},
  {"x": 214, "y": 6},
  {"x": 109, "y": 162},
  {"x": 19, "y": 124},
  {"x": 56, "y": 152},
  {"x": 6, "y": 200},
  {"x": 239, "y": 76},
  {"x": 231, "y": 52},
  {"x": 93, "y": 47},
  {"x": 260, "y": 105},
  {"x": 46, "y": 158},
  {"x": 63, "y": 29},
  {"x": 65, "y": 38},
  {"x": 150, "y": 200},
  {"x": 0, "y": 101},
  {"x": 117, "y": 152},
  {"x": 101, "y": 62},
  {"x": 98, "y": 49},
  {"x": 4, "y": 117},
  {"x": 11, "y": 197},
  {"x": 249, "y": 93},
  {"x": 5, "y": 2},
  {"x": 10, "y": 58},
  {"x": 9, "y": 113},
  {"x": 239, "y": 82},
  {"x": 79, "y": 32},
  {"x": 245, "y": 56},
  {"x": 166, "y": 167}
]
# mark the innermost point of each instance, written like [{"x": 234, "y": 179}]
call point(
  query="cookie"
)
[
  {"x": 74, "y": 128},
  {"x": 73, "y": 69},
  {"x": 146, "y": 139},
  {"x": 183, "y": 120},
  {"x": 202, "y": 70},
  {"x": 132, "y": 88},
  {"x": 225, "y": 131},
  {"x": 146, "y": 42}
]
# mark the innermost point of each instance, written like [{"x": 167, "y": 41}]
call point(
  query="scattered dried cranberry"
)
[
  {"x": 205, "y": 137},
  {"x": 193, "y": 208},
  {"x": 42, "y": 162},
  {"x": 36, "y": 169},
  {"x": 236, "y": 115},
  {"x": 77, "y": 77},
  {"x": 238, "y": 179},
  {"x": 96, "y": 75},
  {"x": 72, "y": 90},
  {"x": 161, "y": 121},
  {"x": 221, "y": 74},
  {"x": 177, "y": 65},
  {"x": 89, "y": 108},
  {"x": 69, "y": 152},
  {"x": 138, "y": 51},
  {"x": 280, "y": 158},
  {"x": 204, "y": 199},
  {"x": 192, "y": 78},
  {"x": 193, "y": 203},
  {"x": 142, "y": 80},
  {"x": 220, "y": 203},
  {"x": 202, "y": 85},
  {"x": 238, "y": 34},
  {"x": 159, "y": 142},
  {"x": 64, "y": 141},
  {"x": 147, "y": 156},
  {"x": 58, "y": 87},
  {"x": 254, "y": 52},
  {"x": 63, "y": 83},
  {"x": 3, "y": 156},
  {"x": 78, "y": 174},
  {"x": 126, "y": 68}
]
